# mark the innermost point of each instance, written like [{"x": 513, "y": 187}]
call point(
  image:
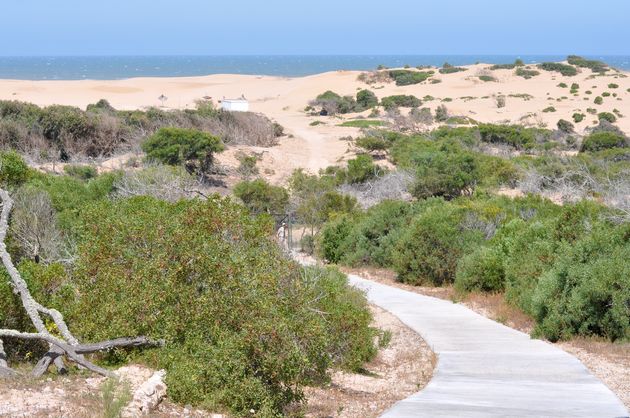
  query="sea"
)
[{"x": 121, "y": 67}]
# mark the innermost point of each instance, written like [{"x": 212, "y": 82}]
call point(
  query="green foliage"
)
[
  {"x": 101, "y": 106},
  {"x": 362, "y": 123},
  {"x": 487, "y": 78},
  {"x": 598, "y": 141},
  {"x": 516, "y": 136},
  {"x": 607, "y": 116},
  {"x": 563, "y": 85},
  {"x": 564, "y": 69},
  {"x": 333, "y": 103},
  {"x": 82, "y": 172},
  {"x": 409, "y": 77},
  {"x": 549, "y": 109},
  {"x": 261, "y": 197},
  {"x": 526, "y": 73},
  {"x": 372, "y": 143},
  {"x": 247, "y": 165},
  {"x": 441, "y": 113},
  {"x": 598, "y": 100},
  {"x": 242, "y": 324},
  {"x": 366, "y": 99},
  {"x": 578, "y": 117},
  {"x": 613, "y": 86},
  {"x": 450, "y": 69},
  {"x": 400, "y": 100},
  {"x": 448, "y": 173},
  {"x": 13, "y": 169},
  {"x": 595, "y": 66},
  {"x": 428, "y": 252},
  {"x": 481, "y": 270},
  {"x": 115, "y": 396},
  {"x": 362, "y": 168},
  {"x": 566, "y": 126},
  {"x": 176, "y": 146}
]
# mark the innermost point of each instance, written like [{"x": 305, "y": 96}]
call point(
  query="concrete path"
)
[{"x": 486, "y": 369}]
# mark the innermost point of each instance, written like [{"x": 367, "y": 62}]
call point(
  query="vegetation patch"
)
[{"x": 362, "y": 123}]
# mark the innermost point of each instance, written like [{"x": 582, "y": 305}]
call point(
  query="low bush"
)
[
  {"x": 578, "y": 117},
  {"x": 373, "y": 143},
  {"x": 450, "y": 69},
  {"x": 261, "y": 197},
  {"x": 441, "y": 113},
  {"x": 487, "y": 78},
  {"x": 83, "y": 172},
  {"x": 516, "y": 136},
  {"x": 189, "y": 147},
  {"x": 565, "y": 126},
  {"x": 242, "y": 324},
  {"x": 362, "y": 123},
  {"x": 598, "y": 141},
  {"x": 366, "y": 99},
  {"x": 408, "y": 77},
  {"x": 332, "y": 103},
  {"x": 429, "y": 250},
  {"x": 607, "y": 116},
  {"x": 13, "y": 169},
  {"x": 526, "y": 73},
  {"x": 613, "y": 86},
  {"x": 598, "y": 100},
  {"x": 361, "y": 169},
  {"x": 401, "y": 100},
  {"x": 564, "y": 69},
  {"x": 595, "y": 66},
  {"x": 549, "y": 109}
]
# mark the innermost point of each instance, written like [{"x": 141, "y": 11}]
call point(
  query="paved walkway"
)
[{"x": 486, "y": 369}]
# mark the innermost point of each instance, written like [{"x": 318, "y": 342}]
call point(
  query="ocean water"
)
[{"x": 120, "y": 67}]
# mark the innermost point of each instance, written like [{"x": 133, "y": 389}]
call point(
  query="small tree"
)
[
  {"x": 441, "y": 113},
  {"x": 366, "y": 99},
  {"x": 261, "y": 197},
  {"x": 176, "y": 146}
]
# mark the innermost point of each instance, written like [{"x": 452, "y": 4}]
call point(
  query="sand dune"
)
[{"x": 313, "y": 147}]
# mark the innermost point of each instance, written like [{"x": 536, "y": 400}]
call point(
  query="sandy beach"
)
[{"x": 314, "y": 147}]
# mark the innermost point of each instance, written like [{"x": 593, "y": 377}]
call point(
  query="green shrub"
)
[
  {"x": 441, "y": 113},
  {"x": 408, "y": 77},
  {"x": 362, "y": 168},
  {"x": 241, "y": 323},
  {"x": 595, "y": 66},
  {"x": 372, "y": 143},
  {"x": 481, "y": 270},
  {"x": 487, "y": 78},
  {"x": 333, "y": 103},
  {"x": 261, "y": 197},
  {"x": 613, "y": 86},
  {"x": 361, "y": 123},
  {"x": 598, "y": 100},
  {"x": 176, "y": 146},
  {"x": 564, "y": 69},
  {"x": 447, "y": 173},
  {"x": 607, "y": 116},
  {"x": 588, "y": 289},
  {"x": 598, "y": 141},
  {"x": 101, "y": 106},
  {"x": 372, "y": 237},
  {"x": 578, "y": 117},
  {"x": 565, "y": 126},
  {"x": 13, "y": 169},
  {"x": 400, "y": 100},
  {"x": 526, "y": 73},
  {"x": 366, "y": 99},
  {"x": 514, "y": 135},
  {"x": 549, "y": 109},
  {"x": 606, "y": 94},
  {"x": 450, "y": 69},
  {"x": 332, "y": 238},
  {"x": 82, "y": 172},
  {"x": 563, "y": 85},
  {"x": 428, "y": 252}
]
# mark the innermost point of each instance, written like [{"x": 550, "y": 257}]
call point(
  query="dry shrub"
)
[
  {"x": 161, "y": 182},
  {"x": 391, "y": 186}
]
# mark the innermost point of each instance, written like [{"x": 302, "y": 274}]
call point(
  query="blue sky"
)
[{"x": 198, "y": 27}]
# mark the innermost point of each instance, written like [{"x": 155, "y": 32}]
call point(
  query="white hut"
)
[{"x": 235, "y": 105}]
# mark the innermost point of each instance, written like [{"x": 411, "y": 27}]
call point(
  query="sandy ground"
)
[
  {"x": 404, "y": 367},
  {"x": 315, "y": 147},
  {"x": 610, "y": 362}
]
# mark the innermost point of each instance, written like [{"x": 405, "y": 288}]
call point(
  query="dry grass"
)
[{"x": 402, "y": 368}]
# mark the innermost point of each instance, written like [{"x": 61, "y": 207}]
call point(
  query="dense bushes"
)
[
  {"x": 13, "y": 169},
  {"x": 564, "y": 69},
  {"x": 366, "y": 99},
  {"x": 595, "y": 66},
  {"x": 401, "y": 100},
  {"x": 598, "y": 141},
  {"x": 64, "y": 132},
  {"x": 189, "y": 147},
  {"x": 450, "y": 69},
  {"x": 516, "y": 136},
  {"x": 526, "y": 73},
  {"x": 408, "y": 77},
  {"x": 261, "y": 197},
  {"x": 241, "y": 323}
]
